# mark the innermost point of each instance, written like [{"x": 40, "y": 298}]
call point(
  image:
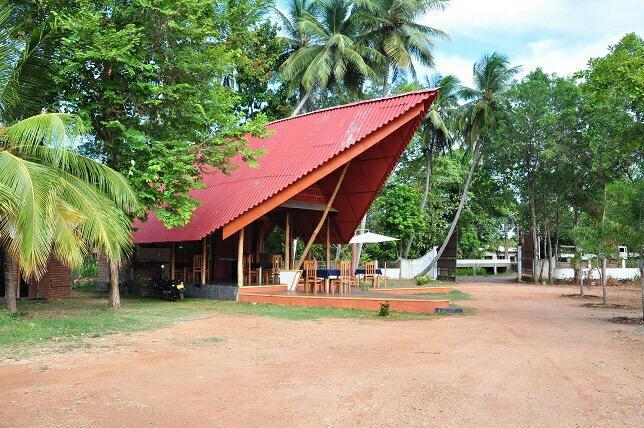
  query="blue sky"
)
[{"x": 558, "y": 35}]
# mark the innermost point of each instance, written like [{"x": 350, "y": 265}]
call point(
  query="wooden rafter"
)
[{"x": 324, "y": 215}]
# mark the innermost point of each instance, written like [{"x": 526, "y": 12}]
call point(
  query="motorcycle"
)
[{"x": 167, "y": 289}]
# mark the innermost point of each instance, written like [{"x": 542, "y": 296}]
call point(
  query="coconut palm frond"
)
[
  {"x": 28, "y": 231},
  {"x": 56, "y": 130},
  {"x": 105, "y": 228}
]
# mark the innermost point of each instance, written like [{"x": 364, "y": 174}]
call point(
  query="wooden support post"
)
[
  {"x": 324, "y": 215},
  {"x": 204, "y": 261},
  {"x": 172, "y": 258},
  {"x": 385, "y": 274},
  {"x": 328, "y": 243},
  {"x": 240, "y": 258},
  {"x": 287, "y": 241}
]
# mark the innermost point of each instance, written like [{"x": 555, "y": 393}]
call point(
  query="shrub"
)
[
  {"x": 89, "y": 269},
  {"x": 424, "y": 279},
  {"x": 384, "y": 309},
  {"x": 468, "y": 271}
]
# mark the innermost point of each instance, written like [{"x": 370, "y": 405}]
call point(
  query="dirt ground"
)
[{"x": 527, "y": 357}]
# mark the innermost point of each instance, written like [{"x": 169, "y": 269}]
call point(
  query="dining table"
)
[
  {"x": 327, "y": 275},
  {"x": 260, "y": 266}
]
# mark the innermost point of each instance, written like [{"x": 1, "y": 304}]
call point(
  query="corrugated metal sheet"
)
[{"x": 297, "y": 146}]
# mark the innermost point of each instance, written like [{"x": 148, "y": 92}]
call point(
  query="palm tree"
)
[
  {"x": 332, "y": 56},
  {"x": 293, "y": 36},
  {"x": 53, "y": 202},
  {"x": 436, "y": 129},
  {"x": 391, "y": 27},
  {"x": 492, "y": 77}
]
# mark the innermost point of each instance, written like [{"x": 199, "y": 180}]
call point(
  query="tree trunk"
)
[
  {"x": 11, "y": 281},
  {"x": 114, "y": 296},
  {"x": 477, "y": 157},
  {"x": 301, "y": 103},
  {"x": 551, "y": 268},
  {"x": 506, "y": 252},
  {"x": 338, "y": 252},
  {"x": 581, "y": 283},
  {"x": 535, "y": 242},
  {"x": 604, "y": 280}
]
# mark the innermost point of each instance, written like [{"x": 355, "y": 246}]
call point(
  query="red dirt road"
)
[{"x": 528, "y": 357}]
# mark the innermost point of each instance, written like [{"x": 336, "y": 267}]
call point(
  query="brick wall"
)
[{"x": 54, "y": 284}]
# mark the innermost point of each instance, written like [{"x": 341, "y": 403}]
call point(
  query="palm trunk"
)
[
  {"x": 581, "y": 283},
  {"x": 11, "y": 281},
  {"x": 301, "y": 103},
  {"x": 114, "y": 296},
  {"x": 604, "y": 280},
  {"x": 477, "y": 157},
  {"x": 338, "y": 252}
]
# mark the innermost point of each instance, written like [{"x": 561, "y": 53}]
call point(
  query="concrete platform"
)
[{"x": 370, "y": 301}]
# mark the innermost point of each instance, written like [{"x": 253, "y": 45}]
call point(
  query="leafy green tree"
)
[
  {"x": 625, "y": 208},
  {"x": 391, "y": 27},
  {"x": 437, "y": 132},
  {"x": 148, "y": 79},
  {"x": 397, "y": 213},
  {"x": 492, "y": 77},
  {"x": 53, "y": 202}
]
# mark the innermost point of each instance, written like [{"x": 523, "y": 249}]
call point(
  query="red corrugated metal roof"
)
[{"x": 297, "y": 146}]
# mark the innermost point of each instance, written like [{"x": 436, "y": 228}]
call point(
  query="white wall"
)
[
  {"x": 617, "y": 273},
  {"x": 409, "y": 268}
]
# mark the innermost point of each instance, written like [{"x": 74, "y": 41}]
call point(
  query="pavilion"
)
[{"x": 320, "y": 173}]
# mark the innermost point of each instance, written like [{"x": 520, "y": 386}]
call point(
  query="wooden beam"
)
[
  {"x": 342, "y": 158},
  {"x": 240, "y": 259},
  {"x": 204, "y": 261},
  {"x": 328, "y": 243},
  {"x": 287, "y": 241},
  {"x": 172, "y": 258},
  {"x": 324, "y": 216}
]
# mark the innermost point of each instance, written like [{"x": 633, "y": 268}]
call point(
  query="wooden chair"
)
[
  {"x": 311, "y": 278},
  {"x": 197, "y": 267},
  {"x": 346, "y": 279},
  {"x": 277, "y": 267},
  {"x": 250, "y": 271},
  {"x": 370, "y": 274}
]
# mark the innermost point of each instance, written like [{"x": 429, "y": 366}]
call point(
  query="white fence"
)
[{"x": 409, "y": 268}]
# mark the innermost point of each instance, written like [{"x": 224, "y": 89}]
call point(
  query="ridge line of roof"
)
[{"x": 373, "y": 100}]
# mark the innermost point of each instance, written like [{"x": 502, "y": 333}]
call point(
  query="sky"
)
[{"x": 558, "y": 35}]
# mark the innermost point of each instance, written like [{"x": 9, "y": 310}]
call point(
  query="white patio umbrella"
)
[{"x": 370, "y": 237}]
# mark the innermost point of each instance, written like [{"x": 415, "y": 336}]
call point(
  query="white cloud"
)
[
  {"x": 559, "y": 36},
  {"x": 590, "y": 18},
  {"x": 554, "y": 56},
  {"x": 459, "y": 66}
]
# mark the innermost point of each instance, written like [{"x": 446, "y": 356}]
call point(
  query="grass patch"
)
[
  {"x": 454, "y": 295},
  {"x": 208, "y": 340},
  {"x": 70, "y": 323}
]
